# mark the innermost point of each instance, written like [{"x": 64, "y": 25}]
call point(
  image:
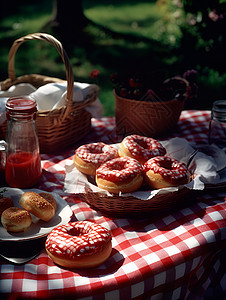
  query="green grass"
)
[
  {"x": 141, "y": 19},
  {"x": 133, "y": 19},
  {"x": 136, "y": 36}
]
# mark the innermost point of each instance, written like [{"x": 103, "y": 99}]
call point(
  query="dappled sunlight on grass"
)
[
  {"x": 135, "y": 36},
  {"x": 146, "y": 20}
]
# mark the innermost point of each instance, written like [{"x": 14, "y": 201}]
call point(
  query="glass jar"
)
[
  {"x": 23, "y": 163},
  {"x": 217, "y": 126}
]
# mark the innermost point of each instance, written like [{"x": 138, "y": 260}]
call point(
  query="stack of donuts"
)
[
  {"x": 18, "y": 219},
  {"x": 139, "y": 160}
]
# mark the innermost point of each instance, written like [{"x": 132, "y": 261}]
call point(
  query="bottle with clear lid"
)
[
  {"x": 217, "y": 126},
  {"x": 23, "y": 163}
]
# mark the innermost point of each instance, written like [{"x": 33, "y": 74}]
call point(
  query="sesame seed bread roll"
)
[
  {"x": 37, "y": 205},
  {"x": 16, "y": 219},
  {"x": 50, "y": 199}
]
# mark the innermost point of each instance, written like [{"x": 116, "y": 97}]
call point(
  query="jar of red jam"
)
[{"x": 23, "y": 163}]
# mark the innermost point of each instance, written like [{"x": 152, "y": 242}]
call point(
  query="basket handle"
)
[{"x": 53, "y": 41}]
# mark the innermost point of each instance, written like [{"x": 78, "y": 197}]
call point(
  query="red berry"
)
[
  {"x": 94, "y": 74},
  {"x": 137, "y": 92},
  {"x": 134, "y": 83},
  {"x": 123, "y": 92}
]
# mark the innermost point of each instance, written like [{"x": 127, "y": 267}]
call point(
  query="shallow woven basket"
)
[
  {"x": 131, "y": 206},
  {"x": 58, "y": 128},
  {"x": 146, "y": 118}
]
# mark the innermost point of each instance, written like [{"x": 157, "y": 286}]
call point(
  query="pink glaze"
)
[
  {"x": 169, "y": 168},
  {"x": 96, "y": 153},
  {"x": 119, "y": 169},
  {"x": 144, "y": 147},
  {"x": 76, "y": 239}
]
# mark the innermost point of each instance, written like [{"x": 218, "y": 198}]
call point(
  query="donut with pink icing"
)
[
  {"x": 164, "y": 171},
  {"x": 141, "y": 148},
  {"x": 122, "y": 174},
  {"x": 81, "y": 244},
  {"x": 89, "y": 157}
]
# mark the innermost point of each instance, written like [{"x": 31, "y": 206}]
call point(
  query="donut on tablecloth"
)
[{"x": 81, "y": 244}]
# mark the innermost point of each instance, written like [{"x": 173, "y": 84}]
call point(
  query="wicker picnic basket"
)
[
  {"x": 61, "y": 127},
  {"x": 148, "y": 118},
  {"x": 116, "y": 205}
]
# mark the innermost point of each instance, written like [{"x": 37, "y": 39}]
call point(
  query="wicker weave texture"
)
[
  {"x": 146, "y": 118},
  {"x": 116, "y": 205}
]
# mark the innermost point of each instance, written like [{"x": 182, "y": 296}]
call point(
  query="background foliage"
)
[{"x": 158, "y": 38}]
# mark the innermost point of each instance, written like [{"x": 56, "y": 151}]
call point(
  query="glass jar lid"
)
[
  {"x": 219, "y": 111},
  {"x": 21, "y": 104}
]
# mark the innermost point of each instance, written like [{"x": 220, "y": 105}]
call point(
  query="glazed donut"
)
[
  {"x": 37, "y": 205},
  {"x": 122, "y": 174},
  {"x": 89, "y": 157},
  {"x": 5, "y": 202},
  {"x": 16, "y": 219},
  {"x": 141, "y": 148},
  {"x": 81, "y": 244},
  {"x": 163, "y": 171}
]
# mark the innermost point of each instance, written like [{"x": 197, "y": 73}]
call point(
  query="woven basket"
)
[
  {"x": 146, "y": 118},
  {"x": 131, "y": 206},
  {"x": 58, "y": 128}
]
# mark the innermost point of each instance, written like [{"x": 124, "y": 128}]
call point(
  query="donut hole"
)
[
  {"x": 96, "y": 150},
  {"x": 166, "y": 164},
  {"x": 142, "y": 143},
  {"x": 75, "y": 232},
  {"x": 118, "y": 166}
]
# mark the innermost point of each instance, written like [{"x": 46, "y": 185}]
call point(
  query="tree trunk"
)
[{"x": 68, "y": 19}]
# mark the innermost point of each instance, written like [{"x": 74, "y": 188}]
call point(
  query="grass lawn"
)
[{"x": 137, "y": 36}]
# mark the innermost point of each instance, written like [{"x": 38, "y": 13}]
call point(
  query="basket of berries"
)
[{"x": 147, "y": 111}]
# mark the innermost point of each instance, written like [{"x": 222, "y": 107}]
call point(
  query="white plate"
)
[{"x": 38, "y": 227}]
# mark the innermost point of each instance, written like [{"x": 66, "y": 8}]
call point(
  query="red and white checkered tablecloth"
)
[{"x": 172, "y": 256}]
